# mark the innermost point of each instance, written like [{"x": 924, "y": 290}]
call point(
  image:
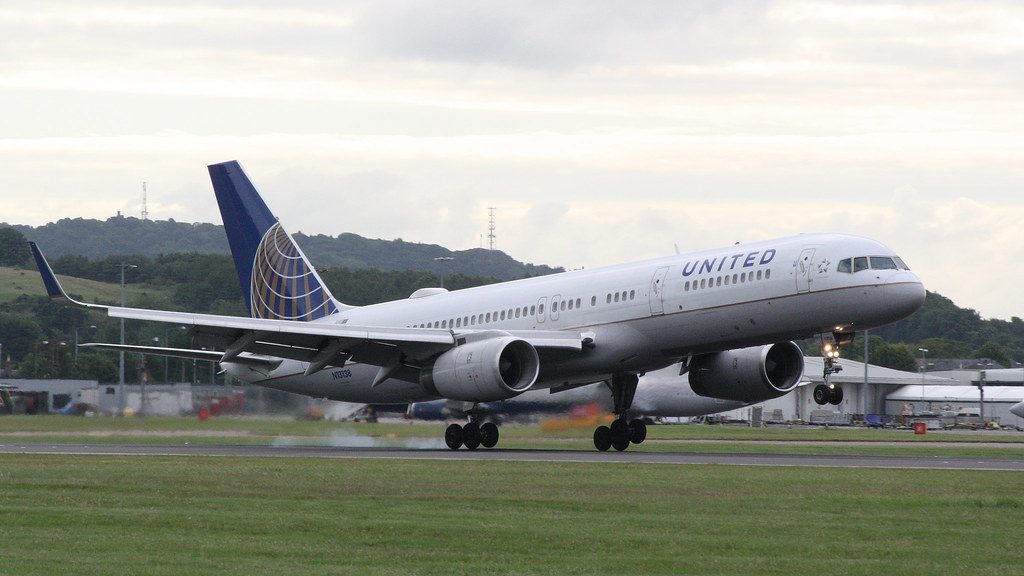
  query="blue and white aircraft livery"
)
[{"x": 727, "y": 317}]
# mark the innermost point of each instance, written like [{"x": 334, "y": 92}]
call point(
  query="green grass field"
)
[
  {"x": 232, "y": 515},
  {"x": 15, "y": 282}
]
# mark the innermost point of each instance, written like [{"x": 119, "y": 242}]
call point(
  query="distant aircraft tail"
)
[{"x": 276, "y": 278}]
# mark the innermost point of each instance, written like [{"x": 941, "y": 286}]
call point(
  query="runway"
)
[{"x": 633, "y": 456}]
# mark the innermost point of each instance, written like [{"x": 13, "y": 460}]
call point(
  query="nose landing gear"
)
[{"x": 829, "y": 393}]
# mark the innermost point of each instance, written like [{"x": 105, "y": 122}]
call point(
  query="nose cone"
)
[{"x": 904, "y": 294}]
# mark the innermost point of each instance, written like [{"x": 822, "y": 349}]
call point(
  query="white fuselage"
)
[{"x": 641, "y": 316}]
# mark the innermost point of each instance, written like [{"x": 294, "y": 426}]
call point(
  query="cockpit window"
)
[
  {"x": 882, "y": 263},
  {"x": 851, "y": 265}
]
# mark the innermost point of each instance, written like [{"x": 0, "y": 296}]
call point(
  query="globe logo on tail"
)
[{"x": 283, "y": 285}]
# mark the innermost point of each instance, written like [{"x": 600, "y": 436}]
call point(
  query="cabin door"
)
[
  {"x": 804, "y": 271},
  {"x": 658, "y": 291}
]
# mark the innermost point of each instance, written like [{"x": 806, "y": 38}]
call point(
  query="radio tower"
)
[
  {"x": 145, "y": 209},
  {"x": 490, "y": 229}
]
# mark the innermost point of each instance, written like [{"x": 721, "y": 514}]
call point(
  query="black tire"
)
[
  {"x": 620, "y": 434},
  {"x": 471, "y": 436},
  {"x": 453, "y": 436},
  {"x": 637, "y": 431},
  {"x": 821, "y": 394},
  {"x": 835, "y": 396},
  {"x": 489, "y": 435},
  {"x": 602, "y": 438}
]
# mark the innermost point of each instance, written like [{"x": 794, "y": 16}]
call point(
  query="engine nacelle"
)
[
  {"x": 748, "y": 374},
  {"x": 485, "y": 370}
]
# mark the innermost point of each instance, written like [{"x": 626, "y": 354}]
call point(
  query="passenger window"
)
[
  {"x": 860, "y": 263},
  {"x": 758, "y": 274},
  {"x": 632, "y": 294},
  {"x": 767, "y": 273},
  {"x": 702, "y": 285},
  {"x": 517, "y": 312},
  {"x": 533, "y": 310},
  {"x": 609, "y": 298},
  {"x": 542, "y": 308},
  {"x": 719, "y": 282},
  {"x": 488, "y": 317},
  {"x": 562, "y": 306},
  {"x": 882, "y": 263},
  {"x": 593, "y": 300},
  {"x": 616, "y": 296},
  {"x": 726, "y": 280},
  {"x": 578, "y": 303},
  {"x": 845, "y": 266}
]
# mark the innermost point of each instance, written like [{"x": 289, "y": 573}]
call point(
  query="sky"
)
[{"x": 599, "y": 131}]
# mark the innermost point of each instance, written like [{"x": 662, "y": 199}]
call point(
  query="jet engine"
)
[
  {"x": 748, "y": 374},
  {"x": 484, "y": 370}
]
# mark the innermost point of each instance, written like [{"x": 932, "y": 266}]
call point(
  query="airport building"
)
[{"x": 937, "y": 398}]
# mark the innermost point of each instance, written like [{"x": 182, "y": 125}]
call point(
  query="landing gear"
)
[
  {"x": 472, "y": 435},
  {"x": 829, "y": 393},
  {"x": 622, "y": 431}
]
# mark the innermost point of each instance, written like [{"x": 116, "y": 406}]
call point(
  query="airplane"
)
[
  {"x": 1017, "y": 409},
  {"x": 727, "y": 317}
]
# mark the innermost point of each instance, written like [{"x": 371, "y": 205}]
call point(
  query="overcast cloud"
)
[{"x": 601, "y": 131}]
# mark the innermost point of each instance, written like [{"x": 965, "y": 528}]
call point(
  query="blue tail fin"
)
[{"x": 276, "y": 278}]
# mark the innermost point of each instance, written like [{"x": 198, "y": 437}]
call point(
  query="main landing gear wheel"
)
[
  {"x": 453, "y": 436},
  {"x": 471, "y": 435},
  {"x": 620, "y": 434},
  {"x": 637, "y": 431},
  {"x": 603, "y": 438},
  {"x": 488, "y": 434}
]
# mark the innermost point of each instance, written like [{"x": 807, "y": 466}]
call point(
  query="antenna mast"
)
[
  {"x": 145, "y": 209},
  {"x": 490, "y": 229}
]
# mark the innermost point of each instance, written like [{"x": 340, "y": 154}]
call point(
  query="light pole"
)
[
  {"x": 441, "y": 267},
  {"x": 924, "y": 366},
  {"x": 90, "y": 327},
  {"x": 120, "y": 379}
]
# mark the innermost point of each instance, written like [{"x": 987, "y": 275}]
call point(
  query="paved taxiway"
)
[{"x": 634, "y": 456}]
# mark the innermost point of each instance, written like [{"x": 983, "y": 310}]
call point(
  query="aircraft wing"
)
[{"x": 320, "y": 343}]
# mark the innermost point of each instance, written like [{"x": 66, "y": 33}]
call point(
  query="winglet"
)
[{"x": 53, "y": 288}]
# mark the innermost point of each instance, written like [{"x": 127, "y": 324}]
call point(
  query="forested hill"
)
[{"x": 122, "y": 236}]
